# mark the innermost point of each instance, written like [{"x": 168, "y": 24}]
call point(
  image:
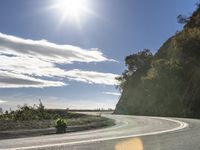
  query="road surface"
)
[{"x": 129, "y": 133}]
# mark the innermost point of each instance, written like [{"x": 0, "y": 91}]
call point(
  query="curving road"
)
[{"x": 129, "y": 133}]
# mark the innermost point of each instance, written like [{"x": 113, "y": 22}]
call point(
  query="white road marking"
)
[{"x": 182, "y": 125}]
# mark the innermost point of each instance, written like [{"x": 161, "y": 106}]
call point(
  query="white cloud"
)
[
  {"x": 29, "y": 66},
  {"x": 2, "y": 101},
  {"x": 11, "y": 80},
  {"x": 29, "y": 63},
  {"x": 92, "y": 77},
  {"x": 112, "y": 93},
  {"x": 48, "y": 51}
]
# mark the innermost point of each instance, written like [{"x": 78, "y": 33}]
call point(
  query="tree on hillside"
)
[
  {"x": 138, "y": 60},
  {"x": 135, "y": 63},
  {"x": 182, "y": 19}
]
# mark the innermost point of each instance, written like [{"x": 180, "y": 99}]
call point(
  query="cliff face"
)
[{"x": 170, "y": 84}]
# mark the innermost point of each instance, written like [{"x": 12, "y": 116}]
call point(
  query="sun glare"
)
[
  {"x": 72, "y": 10},
  {"x": 71, "y": 7}
]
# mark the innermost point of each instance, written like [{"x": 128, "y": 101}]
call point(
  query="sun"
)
[{"x": 71, "y": 10}]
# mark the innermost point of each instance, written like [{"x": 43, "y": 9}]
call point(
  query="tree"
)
[
  {"x": 41, "y": 109},
  {"x": 138, "y": 60},
  {"x": 1, "y": 111},
  {"x": 6, "y": 112},
  {"x": 136, "y": 63},
  {"x": 182, "y": 19},
  {"x": 41, "y": 106}
]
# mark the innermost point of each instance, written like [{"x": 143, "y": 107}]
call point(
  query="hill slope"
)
[{"x": 168, "y": 83}]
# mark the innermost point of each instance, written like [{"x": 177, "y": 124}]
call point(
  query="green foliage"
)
[
  {"x": 166, "y": 84},
  {"x": 61, "y": 122},
  {"x": 137, "y": 64},
  {"x": 139, "y": 60},
  {"x": 41, "y": 110},
  {"x": 26, "y": 113},
  {"x": 61, "y": 125},
  {"x": 182, "y": 19}
]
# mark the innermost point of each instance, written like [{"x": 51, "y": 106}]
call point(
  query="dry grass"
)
[{"x": 7, "y": 125}]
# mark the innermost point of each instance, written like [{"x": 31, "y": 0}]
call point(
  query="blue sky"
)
[{"x": 72, "y": 62}]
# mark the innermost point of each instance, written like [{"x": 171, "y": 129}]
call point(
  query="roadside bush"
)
[
  {"x": 26, "y": 113},
  {"x": 61, "y": 125}
]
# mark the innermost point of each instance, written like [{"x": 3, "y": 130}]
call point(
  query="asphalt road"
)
[{"x": 129, "y": 133}]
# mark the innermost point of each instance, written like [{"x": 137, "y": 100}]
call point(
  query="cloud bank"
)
[{"x": 31, "y": 63}]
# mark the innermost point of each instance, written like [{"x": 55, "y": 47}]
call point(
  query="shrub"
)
[{"x": 61, "y": 125}]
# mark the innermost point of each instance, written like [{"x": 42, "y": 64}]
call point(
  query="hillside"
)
[{"x": 168, "y": 83}]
